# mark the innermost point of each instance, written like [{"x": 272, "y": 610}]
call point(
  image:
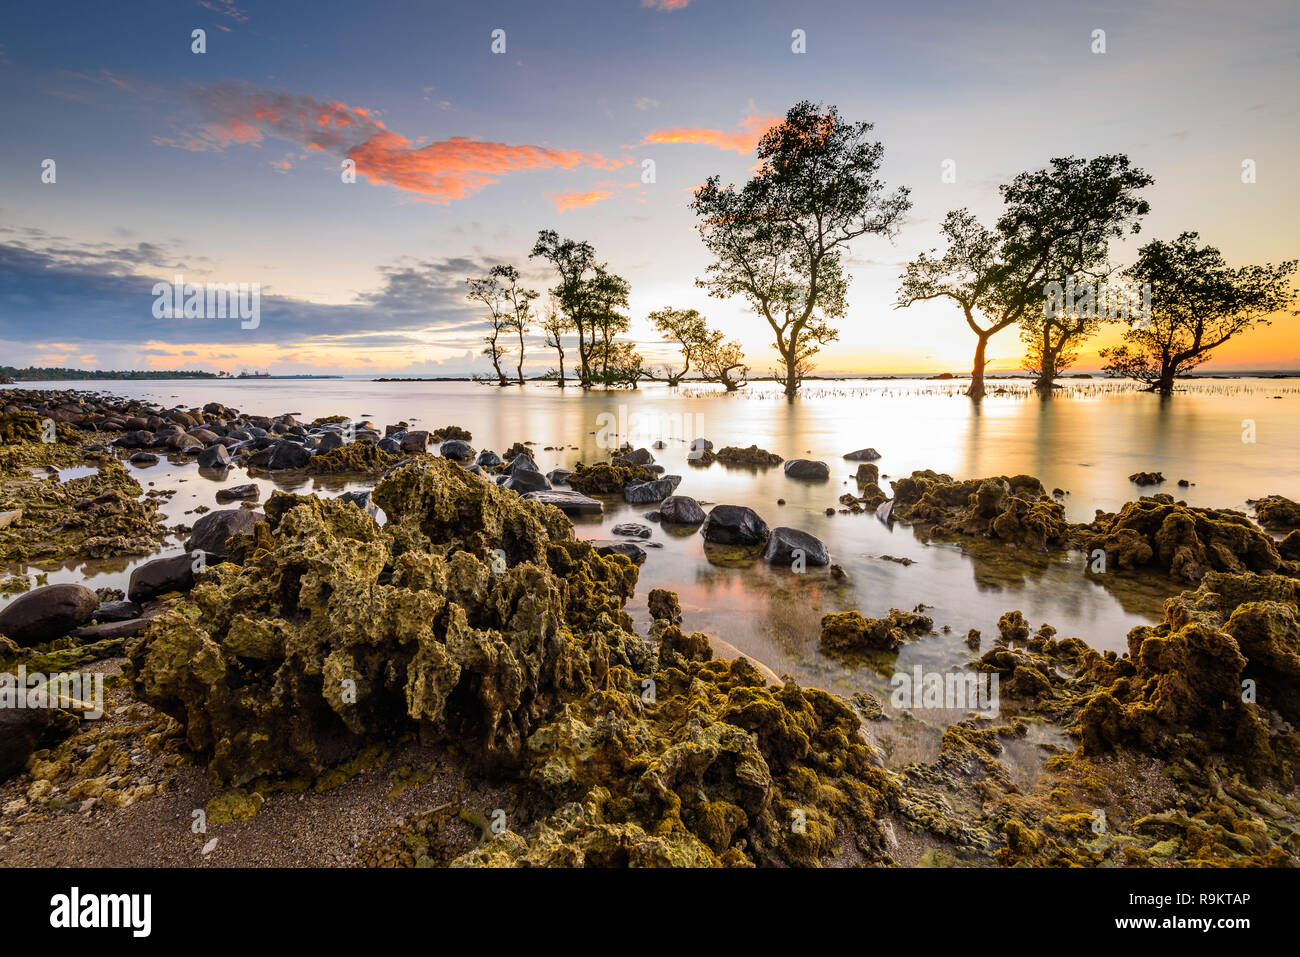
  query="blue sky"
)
[{"x": 169, "y": 162}]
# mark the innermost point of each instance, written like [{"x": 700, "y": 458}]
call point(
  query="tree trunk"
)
[
  {"x": 791, "y": 374},
  {"x": 519, "y": 369},
  {"x": 976, "y": 390}
]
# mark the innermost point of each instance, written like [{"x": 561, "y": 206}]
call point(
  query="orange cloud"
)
[
  {"x": 572, "y": 199},
  {"x": 454, "y": 168},
  {"x": 742, "y": 140},
  {"x": 438, "y": 172}
]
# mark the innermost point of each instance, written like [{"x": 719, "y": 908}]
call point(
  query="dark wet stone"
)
[
  {"x": 862, "y": 455},
  {"x": 116, "y": 611},
  {"x": 558, "y": 476},
  {"x": 288, "y": 455},
  {"x": 22, "y": 730},
  {"x": 629, "y": 550},
  {"x": 567, "y": 501},
  {"x": 487, "y": 460},
  {"x": 525, "y": 480},
  {"x": 637, "y": 457},
  {"x": 46, "y": 613},
  {"x": 681, "y": 510},
  {"x": 214, "y": 457},
  {"x": 213, "y": 530},
  {"x": 643, "y": 493},
  {"x": 161, "y": 576},
  {"x": 248, "y": 490},
  {"x": 417, "y": 440},
  {"x": 807, "y": 469},
  {"x": 632, "y": 530},
  {"x": 521, "y": 463},
  {"x": 329, "y": 442},
  {"x": 457, "y": 450},
  {"x": 734, "y": 525},
  {"x": 785, "y": 544},
  {"x": 144, "y": 458}
]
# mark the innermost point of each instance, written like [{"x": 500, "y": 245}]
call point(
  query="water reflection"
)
[{"x": 1086, "y": 439}]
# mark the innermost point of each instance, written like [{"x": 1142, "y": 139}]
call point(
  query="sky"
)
[{"x": 227, "y": 166}]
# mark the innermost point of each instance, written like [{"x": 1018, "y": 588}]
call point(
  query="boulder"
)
[
  {"x": 22, "y": 730},
  {"x": 734, "y": 525},
  {"x": 248, "y": 490},
  {"x": 214, "y": 457},
  {"x": 161, "y": 576},
  {"x": 48, "y": 612},
  {"x": 631, "y": 530},
  {"x": 457, "y": 450},
  {"x": 213, "y": 530},
  {"x": 643, "y": 493},
  {"x": 288, "y": 455},
  {"x": 329, "y": 442},
  {"x": 487, "y": 460},
  {"x": 629, "y": 550},
  {"x": 786, "y": 545},
  {"x": 807, "y": 469},
  {"x": 417, "y": 440},
  {"x": 567, "y": 501},
  {"x": 144, "y": 458},
  {"x": 116, "y": 611},
  {"x": 862, "y": 455},
  {"x": 526, "y": 480},
  {"x": 558, "y": 476},
  {"x": 521, "y": 463},
  {"x": 681, "y": 510},
  {"x": 361, "y": 499}
]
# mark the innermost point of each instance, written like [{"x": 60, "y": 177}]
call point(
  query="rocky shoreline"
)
[{"x": 468, "y": 652}]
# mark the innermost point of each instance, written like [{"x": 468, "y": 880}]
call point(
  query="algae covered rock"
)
[
  {"x": 1014, "y": 509},
  {"x": 851, "y": 631},
  {"x": 1220, "y": 675},
  {"x": 1185, "y": 542},
  {"x": 459, "y": 616}
]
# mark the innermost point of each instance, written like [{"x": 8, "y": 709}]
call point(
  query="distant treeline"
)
[{"x": 31, "y": 373}]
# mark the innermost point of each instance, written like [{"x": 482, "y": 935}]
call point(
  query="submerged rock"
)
[
  {"x": 788, "y": 546},
  {"x": 862, "y": 455},
  {"x": 457, "y": 450},
  {"x": 850, "y": 631},
  {"x": 601, "y": 479},
  {"x": 643, "y": 493},
  {"x": 1010, "y": 508},
  {"x": 680, "y": 510},
  {"x": 753, "y": 456},
  {"x": 568, "y": 502},
  {"x": 807, "y": 469},
  {"x": 1274, "y": 511},
  {"x": 248, "y": 490},
  {"x": 734, "y": 525}
]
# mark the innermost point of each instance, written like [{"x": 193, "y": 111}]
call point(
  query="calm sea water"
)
[{"x": 1234, "y": 439}]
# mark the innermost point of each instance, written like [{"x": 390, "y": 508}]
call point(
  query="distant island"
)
[{"x": 34, "y": 374}]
